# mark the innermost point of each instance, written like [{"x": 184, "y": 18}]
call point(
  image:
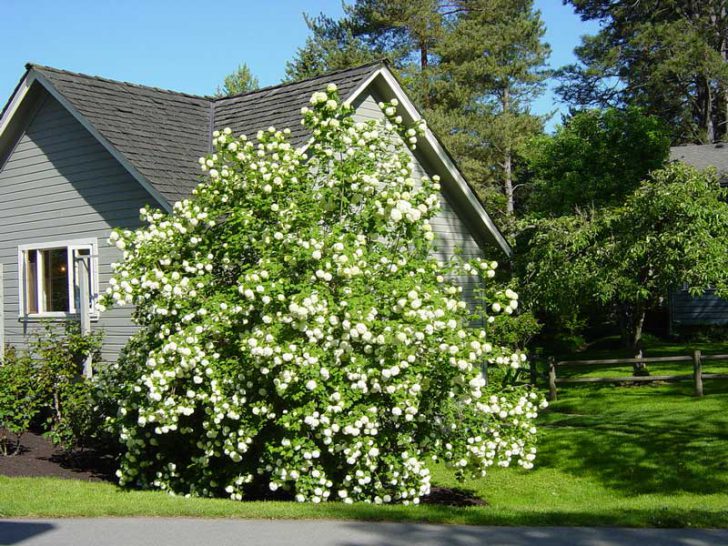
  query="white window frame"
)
[{"x": 71, "y": 247}]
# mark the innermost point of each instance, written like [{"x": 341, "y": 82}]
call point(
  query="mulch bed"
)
[
  {"x": 452, "y": 497},
  {"x": 39, "y": 457}
]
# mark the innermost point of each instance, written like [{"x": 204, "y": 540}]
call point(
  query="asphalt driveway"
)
[{"x": 226, "y": 532}]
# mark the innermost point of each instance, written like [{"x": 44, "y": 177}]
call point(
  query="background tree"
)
[
  {"x": 492, "y": 66},
  {"x": 668, "y": 57},
  {"x": 596, "y": 158},
  {"x": 472, "y": 66},
  {"x": 672, "y": 230},
  {"x": 240, "y": 81},
  {"x": 332, "y": 45}
]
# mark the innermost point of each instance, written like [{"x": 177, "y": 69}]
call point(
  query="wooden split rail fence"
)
[{"x": 697, "y": 376}]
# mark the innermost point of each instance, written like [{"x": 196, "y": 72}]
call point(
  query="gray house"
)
[
  {"x": 80, "y": 155},
  {"x": 706, "y": 309}
]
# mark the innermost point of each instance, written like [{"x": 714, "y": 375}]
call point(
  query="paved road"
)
[{"x": 184, "y": 532}]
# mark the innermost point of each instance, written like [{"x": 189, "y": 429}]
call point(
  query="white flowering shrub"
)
[{"x": 296, "y": 332}]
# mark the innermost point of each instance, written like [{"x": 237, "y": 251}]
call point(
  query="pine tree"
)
[
  {"x": 493, "y": 60},
  {"x": 669, "y": 58},
  {"x": 472, "y": 66},
  {"x": 333, "y": 45},
  {"x": 240, "y": 81}
]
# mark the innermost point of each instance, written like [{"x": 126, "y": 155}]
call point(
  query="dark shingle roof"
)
[
  {"x": 162, "y": 133},
  {"x": 702, "y": 156},
  {"x": 280, "y": 106}
]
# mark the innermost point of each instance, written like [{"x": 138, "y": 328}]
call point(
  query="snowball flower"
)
[{"x": 313, "y": 336}]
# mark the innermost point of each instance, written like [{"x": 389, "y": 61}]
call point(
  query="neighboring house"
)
[
  {"x": 708, "y": 308},
  {"x": 80, "y": 155}
]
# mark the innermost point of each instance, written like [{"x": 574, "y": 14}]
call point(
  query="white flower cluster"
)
[{"x": 296, "y": 333}]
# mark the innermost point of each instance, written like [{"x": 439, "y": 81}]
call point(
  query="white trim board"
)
[
  {"x": 16, "y": 100},
  {"x": 90, "y": 243},
  {"x": 449, "y": 166}
]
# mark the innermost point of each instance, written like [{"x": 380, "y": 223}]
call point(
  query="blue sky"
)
[{"x": 186, "y": 46}]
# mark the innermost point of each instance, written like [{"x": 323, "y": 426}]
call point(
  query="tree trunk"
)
[
  {"x": 640, "y": 368},
  {"x": 423, "y": 71},
  {"x": 639, "y": 322},
  {"x": 705, "y": 94},
  {"x": 508, "y": 159}
]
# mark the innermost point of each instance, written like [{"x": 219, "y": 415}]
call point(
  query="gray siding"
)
[
  {"x": 58, "y": 184},
  {"x": 705, "y": 309},
  {"x": 451, "y": 233}
]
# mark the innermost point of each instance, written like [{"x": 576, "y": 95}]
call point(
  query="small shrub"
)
[
  {"x": 20, "y": 399},
  {"x": 68, "y": 397}
]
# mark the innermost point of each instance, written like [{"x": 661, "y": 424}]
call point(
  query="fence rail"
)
[{"x": 697, "y": 358}]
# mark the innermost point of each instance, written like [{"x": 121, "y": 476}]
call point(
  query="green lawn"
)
[{"x": 651, "y": 455}]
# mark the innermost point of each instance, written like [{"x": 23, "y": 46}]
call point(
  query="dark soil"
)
[
  {"x": 39, "y": 457},
  {"x": 452, "y": 497}
]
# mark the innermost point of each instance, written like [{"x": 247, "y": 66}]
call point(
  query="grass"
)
[{"x": 651, "y": 455}]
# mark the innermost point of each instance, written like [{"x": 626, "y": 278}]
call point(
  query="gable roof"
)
[
  {"x": 158, "y": 134},
  {"x": 162, "y": 133}
]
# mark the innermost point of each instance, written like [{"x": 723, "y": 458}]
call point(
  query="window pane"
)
[
  {"x": 55, "y": 279},
  {"x": 31, "y": 281}
]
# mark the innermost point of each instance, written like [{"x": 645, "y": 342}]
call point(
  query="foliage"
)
[
  {"x": 296, "y": 332},
  {"x": 492, "y": 66},
  {"x": 20, "y": 399},
  {"x": 672, "y": 230},
  {"x": 667, "y": 57},
  {"x": 67, "y": 396},
  {"x": 241, "y": 81},
  {"x": 704, "y": 333},
  {"x": 331, "y": 46},
  {"x": 471, "y": 66},
  {"x": 596, "y": 158},
  {"x": 46, "y": 381}
]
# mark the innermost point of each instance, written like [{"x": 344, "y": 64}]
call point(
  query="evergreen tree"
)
[
  {"x": 472, "y": 66},
  {"x": 332, "y": 45},
  {"x": 669, "y": 57},
  {"x": 493, "y": 65},
  {"x": 240, "y": 81}
]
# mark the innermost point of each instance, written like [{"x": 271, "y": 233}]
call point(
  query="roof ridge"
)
[
  {"x": 31, "y": 66},
  {"x": 383, "y": 62},
  {"x": 209, "y": 98}
]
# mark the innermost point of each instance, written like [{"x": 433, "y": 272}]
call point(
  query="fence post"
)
[
  {"x": 552, "y": 378},
  {"x": 698, "y": 372}
]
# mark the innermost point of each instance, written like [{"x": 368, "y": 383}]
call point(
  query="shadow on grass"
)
[{"x": 641, "y": 440}]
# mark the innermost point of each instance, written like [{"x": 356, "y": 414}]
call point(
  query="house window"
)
[{"x": 50, "y": 275}]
